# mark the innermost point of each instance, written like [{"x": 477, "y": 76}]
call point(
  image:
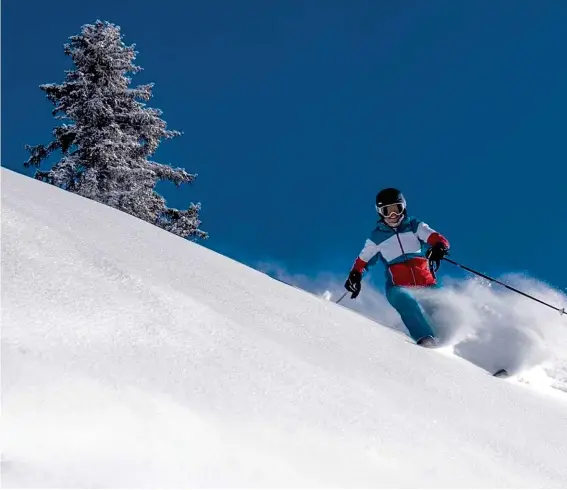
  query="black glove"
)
[
  {"x": 435, "y": 254},
  {"x": 353, "y": 284}
]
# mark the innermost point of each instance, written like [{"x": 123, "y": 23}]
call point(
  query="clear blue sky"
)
[{"x": 296, "y": 113}]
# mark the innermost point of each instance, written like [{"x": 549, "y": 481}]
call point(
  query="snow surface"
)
[{"x": 134, "y": 358}]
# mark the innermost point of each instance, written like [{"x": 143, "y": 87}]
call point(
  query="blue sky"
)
[{"x": 295, "y": 113}]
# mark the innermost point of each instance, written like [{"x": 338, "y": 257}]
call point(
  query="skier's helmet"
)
[{"x": 391, "y": 205}]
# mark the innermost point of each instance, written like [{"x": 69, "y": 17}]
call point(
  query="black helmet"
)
[{"x": 389, "y": 197}]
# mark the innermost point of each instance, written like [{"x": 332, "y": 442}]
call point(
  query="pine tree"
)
[{"x": 107, "y": 134}]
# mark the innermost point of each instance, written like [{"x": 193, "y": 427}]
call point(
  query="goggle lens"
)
[{"x": 389, "y": 209}]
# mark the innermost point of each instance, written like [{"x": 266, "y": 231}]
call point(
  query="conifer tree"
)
[{"x": 108, "y": 135}]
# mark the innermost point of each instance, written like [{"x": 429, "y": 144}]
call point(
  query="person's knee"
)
[{"x": 393, "y": 296}]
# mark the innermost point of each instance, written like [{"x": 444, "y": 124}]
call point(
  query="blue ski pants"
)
[{"x": 413, "y": 315}]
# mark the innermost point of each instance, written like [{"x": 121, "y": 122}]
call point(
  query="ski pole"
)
[
  {"x": 341, "y": 298},
  {"x": 562, "y": 311}
]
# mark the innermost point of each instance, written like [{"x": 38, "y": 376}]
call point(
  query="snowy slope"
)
[{"x": 133, "y": 358}]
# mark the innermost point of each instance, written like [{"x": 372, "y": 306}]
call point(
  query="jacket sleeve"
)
[
  {"x": 368, "y": 252},
  {"x": 430, "y": 236}
]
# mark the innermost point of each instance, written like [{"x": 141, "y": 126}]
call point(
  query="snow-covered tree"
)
[{"x": 107, "y": 134}]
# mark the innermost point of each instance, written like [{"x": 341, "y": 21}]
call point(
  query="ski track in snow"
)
[{"x": 133, "y": 358}]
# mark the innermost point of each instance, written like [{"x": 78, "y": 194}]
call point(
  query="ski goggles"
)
[{"x": 387, "y": 210}]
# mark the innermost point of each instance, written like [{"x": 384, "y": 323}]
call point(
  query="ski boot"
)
[{"x": 427, "y": 341}]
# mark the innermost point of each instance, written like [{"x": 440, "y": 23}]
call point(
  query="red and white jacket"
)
[{"x": 402, "y": 251}]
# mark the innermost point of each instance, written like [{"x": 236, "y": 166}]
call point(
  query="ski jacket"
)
[{"x": 402, "y": 251}]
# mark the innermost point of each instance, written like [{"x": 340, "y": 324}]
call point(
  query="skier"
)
[{"x": 411, "y": 252}]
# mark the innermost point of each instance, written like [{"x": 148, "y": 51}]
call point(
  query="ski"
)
[{"x": 501, "y": 373}]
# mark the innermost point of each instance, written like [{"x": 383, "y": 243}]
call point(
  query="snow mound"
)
[{"x": 133, "y": 358}]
